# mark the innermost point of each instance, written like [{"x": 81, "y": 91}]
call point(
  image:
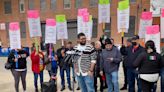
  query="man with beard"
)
[{"x": 84, "y": 64}]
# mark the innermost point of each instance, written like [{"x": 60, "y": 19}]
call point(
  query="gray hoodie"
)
[{"x": 108, "y": 65}]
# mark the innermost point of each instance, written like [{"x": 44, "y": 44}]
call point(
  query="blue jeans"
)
[
  {"x": 36, "y": 79},
  {"x": 86, "y": 83},
  {"x": 112, "y": 81},
  {"x": 62, "y": 76},
  {"x": 162, "y": 80},
  {"x": 131, "y": 76}
]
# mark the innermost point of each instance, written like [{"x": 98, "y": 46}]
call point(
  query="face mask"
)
[
  {"x": 149, "y": 50},
  {"x": 134, "y": 43}
]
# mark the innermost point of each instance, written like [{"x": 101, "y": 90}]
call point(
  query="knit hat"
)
[{"x": 108, "y": 41}]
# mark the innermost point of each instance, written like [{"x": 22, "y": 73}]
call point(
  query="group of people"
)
[{"x": 88, "y": 62}]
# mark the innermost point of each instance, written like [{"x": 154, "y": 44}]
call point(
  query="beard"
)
[{"x": 82, "y": 43}]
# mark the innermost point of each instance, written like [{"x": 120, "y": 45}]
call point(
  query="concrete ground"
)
[{"x": 7, "y": 81}]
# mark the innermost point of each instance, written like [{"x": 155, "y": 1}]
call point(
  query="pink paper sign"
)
[
  {"x": 14, "y": 26},
  {"x": 33, "y": 14},
  {"x": 152, "y": 29},
  {"x": 163, "y": 12},
  {"x": 50, "y": 22},
  {"x": 146, "y": 15},
  {"x": 86, "y": 17},
  {"x": 81, "y": 12}
]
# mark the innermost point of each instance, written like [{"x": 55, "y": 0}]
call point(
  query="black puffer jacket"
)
[{"x": 148, "y": 63}]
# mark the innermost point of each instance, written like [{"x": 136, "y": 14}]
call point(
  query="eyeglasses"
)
[{"x": 83, "y": 39}]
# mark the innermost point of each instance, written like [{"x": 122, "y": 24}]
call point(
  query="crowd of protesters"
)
[{"x": 90, "y": 62}]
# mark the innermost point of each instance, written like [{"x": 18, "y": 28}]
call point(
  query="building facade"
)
[{"x": 16, "y": 11}]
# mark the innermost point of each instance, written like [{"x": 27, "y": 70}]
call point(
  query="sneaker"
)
[
  {"x": 123, "y": 88},
  {"x": 70, "y": 88},
  {"x": 78, "y": 88},
  {"x": 62, "y": 89}
]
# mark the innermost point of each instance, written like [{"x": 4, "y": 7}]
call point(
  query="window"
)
[
  {"x": 78, "y": 3},
  {"x": 94, "y": 29},
  {"x": 21, "y": 6},
  {"x": 23, "y": 29},
  {"x": 131, "y": 30},
  {"x": 7, "y": 6},
  {"x": 7, "y": 29},
  {"x": 42, "y": 39},
  {"x": 108, "y": 29},
  {"x": 43, "y": 5},
  {"x": 72, "y": 29},
  {"x": 31, "y": 4},
  {"x": 53, "y": 4},
  {"x": 67, "y": 4},
  {"x": 93, "y": 3},
  {"x": 43, "y": 27}
]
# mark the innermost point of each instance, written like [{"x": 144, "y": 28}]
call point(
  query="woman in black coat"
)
[{"x": 149, "y": 65}]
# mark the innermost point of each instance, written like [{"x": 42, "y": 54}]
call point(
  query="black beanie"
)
[{"x": 108, "y": 41}]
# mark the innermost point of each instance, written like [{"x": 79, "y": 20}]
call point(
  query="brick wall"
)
[{"x": 70, "y": 14}]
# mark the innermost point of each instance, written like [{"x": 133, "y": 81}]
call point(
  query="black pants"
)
[
  {"x": 125, "y": 76},
  {"x": 147, "y": 86},
  {"x": 101, "y": 83}
]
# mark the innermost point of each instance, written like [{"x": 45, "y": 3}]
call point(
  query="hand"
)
[
  {"x": 15, "y": 60},
  {"x": 49, "y": 56},
  {"x": 111, "y": 59},
  {"x": 53, "y": 77},
  {"x": 19, "y": 56},
  {"x": 62, "y": 51},
  {"x": 40, "y": 55},
  {"x": 101, "y": 73},
  {"x": 36, "y": 53}
]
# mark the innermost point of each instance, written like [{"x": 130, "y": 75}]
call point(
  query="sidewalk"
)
[{"x": 7, "y": 81}]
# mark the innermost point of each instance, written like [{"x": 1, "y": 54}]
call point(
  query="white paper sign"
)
[
  {"x": 153, "y": 33},
  {"x": 2, "y": 26},
  {"x": 143, "y": 25},
  {"x": 79, "y": 24},
  {"x": 156, "y": 39},
  {"x": 162, "y": 27},
  {"x": 104, "y": 13},
  {"x": 34, "y": 27},
  {"x": 14, "y": 34},
  {"x": 123, "y": 20},
  {"x": 85, "y": 27},
  {"x": 50, "y": 35},
  {"x": 34, "y": 23},
  {"x": 155, "y": 7},
  {"x": 62, "y": 32}
]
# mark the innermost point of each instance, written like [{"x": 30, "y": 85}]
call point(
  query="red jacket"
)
[{"x": 36, "y": 62}]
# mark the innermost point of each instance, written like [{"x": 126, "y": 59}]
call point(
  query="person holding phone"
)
[{"x": 110, "y": 59}]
